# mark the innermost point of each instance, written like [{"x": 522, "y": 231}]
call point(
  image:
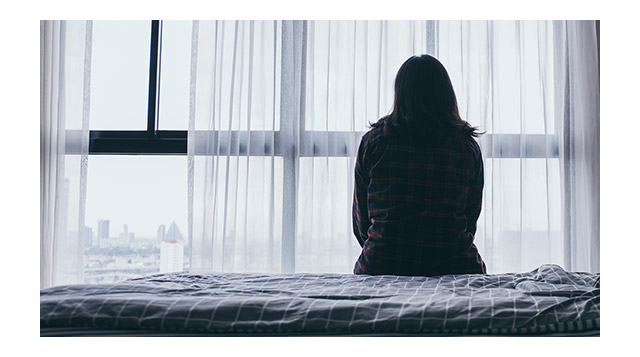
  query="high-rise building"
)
[
  {"x": 173, "y": 233},
  {"x": 171, "y": 256},
  {"x": 161, "y": 232},
  {"x": 126, "y": 237},
  {"x": 88, "y": 237},
  {"x": 171, "y": 250},
  {"x": 103, "y": 233}
]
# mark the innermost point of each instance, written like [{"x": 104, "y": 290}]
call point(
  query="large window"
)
[{"x": 136, "y": 213}]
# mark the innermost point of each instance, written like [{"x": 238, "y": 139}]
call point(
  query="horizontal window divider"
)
[
  {"x": 162, "y": 142},
  {"x": 345, "y": 144},
  {"x": 137, "y": 134},
  {"x": 262, "y": 143},
  {"x": 515, "y": 146},
  {"x": 330, "y": 143},
  {"x": 237, "y": 142},
  {"x": 73, "y": 142},
  {"x": 273, "y": 143}
]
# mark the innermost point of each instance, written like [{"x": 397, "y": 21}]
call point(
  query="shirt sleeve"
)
[
  {"x": 360, "y": 212},
  {"x": 474, "y": 200}
]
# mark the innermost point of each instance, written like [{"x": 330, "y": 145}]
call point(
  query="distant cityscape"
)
[{"x": 112, "y": 257}]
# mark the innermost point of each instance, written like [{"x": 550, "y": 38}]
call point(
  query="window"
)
[
  {"x": 140, "y": 108},
  {"x": 136, "y": 209}
]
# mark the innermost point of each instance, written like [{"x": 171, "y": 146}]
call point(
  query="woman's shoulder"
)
[
  {"x": 375, "y": 135},
  {"x": 465, "y": 140},
  {"x": 470, "y": 147},
  {"x": 474, "y": 145}
]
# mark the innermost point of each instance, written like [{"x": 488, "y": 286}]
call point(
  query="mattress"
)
[{"x": 547, "y": 301}]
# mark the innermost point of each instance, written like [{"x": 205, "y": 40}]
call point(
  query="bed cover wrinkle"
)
[{"x": 547, "y": 299}]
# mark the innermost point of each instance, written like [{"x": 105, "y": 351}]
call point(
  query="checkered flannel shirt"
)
[{"x": 416, "y": 203}]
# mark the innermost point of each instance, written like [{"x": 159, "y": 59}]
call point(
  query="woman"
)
[{"x": 418, "y": 181}]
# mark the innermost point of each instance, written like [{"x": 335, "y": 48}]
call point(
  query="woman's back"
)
[{"x": 416, "y": 203}]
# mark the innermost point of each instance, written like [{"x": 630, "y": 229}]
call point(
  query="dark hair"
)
[{"x": 424, "y": 101}]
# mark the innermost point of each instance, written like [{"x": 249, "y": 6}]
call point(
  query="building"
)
[
  {"x": 88, "y": 237},
  {"x": 103, "y": 233},
  {"x": 173, "y": 233},
  {"x": 126, "y": 237},
  {"x": 161, "y": 232},
  {"x": 171, "y": 256},
  {"x": 171, "y": 249}
]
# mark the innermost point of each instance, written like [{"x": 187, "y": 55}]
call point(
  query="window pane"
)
[
  {"x": 238, "y": 75},
  {"x": 502, "y": 73},
  {"x": 175, "y": 74},
  {"x": 237, "y": 213},
  {"x": 136, "y": 216},
  {"x": 325, "y": 242},
  {"x": 519, "y": 227},
  {"x": 120, "y": 75},
  {"x": 351, "y": 66}
]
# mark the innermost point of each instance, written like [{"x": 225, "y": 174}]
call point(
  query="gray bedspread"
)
[{"x": 546, "y": 300}]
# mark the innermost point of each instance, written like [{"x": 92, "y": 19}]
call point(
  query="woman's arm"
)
[
  {"x": 474, "y": 200},
  {"x": 360, "y": 212}
]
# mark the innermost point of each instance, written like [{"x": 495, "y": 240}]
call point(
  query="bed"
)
[{"x": 547, "y": 301}]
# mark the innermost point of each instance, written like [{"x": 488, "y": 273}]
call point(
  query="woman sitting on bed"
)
[{"x": 418, "y": 181}]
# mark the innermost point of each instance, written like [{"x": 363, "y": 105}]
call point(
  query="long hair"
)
[{"x": 424, "y": 101}]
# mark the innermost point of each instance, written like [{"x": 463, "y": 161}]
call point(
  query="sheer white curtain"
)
[
  {"x": 278, "y": 108},
  {"x": 534, "y": 87},
  {"x": 236, "y": 177},
  {"x": 65, "y": 49},
  {"x": 578, "y": 116},
  {"x": 504, "y": 78}
]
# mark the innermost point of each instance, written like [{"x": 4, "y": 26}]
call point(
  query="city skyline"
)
[
  {"x": 94, "y": 233},
  {"x": 140, "y": 191},
  {"x": 114, "y": 254}
]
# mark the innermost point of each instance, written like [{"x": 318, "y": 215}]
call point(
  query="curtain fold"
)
[
  {"x": 578, "y": 119},
  {"x": 235, "y": 127},
  {"x": 51, "y": 144},
  {"x": 64, "y": 136}
]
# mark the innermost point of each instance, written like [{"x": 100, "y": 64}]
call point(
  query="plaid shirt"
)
[{"x": 416, "y": 203}]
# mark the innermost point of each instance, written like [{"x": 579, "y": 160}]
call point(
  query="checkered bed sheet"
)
[{"x": 546, "y": 300}]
